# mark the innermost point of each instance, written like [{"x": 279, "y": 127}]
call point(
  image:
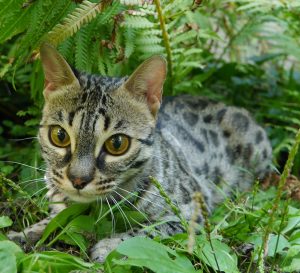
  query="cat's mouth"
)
[{"x": 90, "y": 193}]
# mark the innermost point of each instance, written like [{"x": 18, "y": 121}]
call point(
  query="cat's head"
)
[{"x": 96, "y": 132}]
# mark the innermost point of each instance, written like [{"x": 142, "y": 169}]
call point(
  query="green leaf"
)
[
  {"x": 64, "y": 217},
  {"x": 144, "y": 252},
  {"x": 293, "y": 222},
  {"x": 56, "y": 262},
  {"x": 273, "y": 246},
  {"x": 5, "y": 221},
  {"x": 291, "y": 262},
  {"x": 75, "y": 239},
  {"x": 219, "y": 256},
  {"x": 8, "y": 253},
  {"x": 13, "y": 18}
]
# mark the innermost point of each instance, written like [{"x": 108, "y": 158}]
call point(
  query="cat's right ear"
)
[
  {"x": 58, "y": 73},
  {"x": 147, "y": 82}
]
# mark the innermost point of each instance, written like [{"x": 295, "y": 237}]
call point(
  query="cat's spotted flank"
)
[{"x": 103, "y": 137}]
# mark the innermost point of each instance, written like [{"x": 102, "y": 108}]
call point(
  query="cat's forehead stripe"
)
[{"x": 101, "y": 83}]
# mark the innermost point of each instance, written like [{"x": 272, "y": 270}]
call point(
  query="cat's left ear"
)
[
  {"x": 147, "y": 82},
  {"x": 58, "y": 73}
]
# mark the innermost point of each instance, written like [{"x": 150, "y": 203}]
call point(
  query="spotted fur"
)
[{"x": 192, "y": 144}]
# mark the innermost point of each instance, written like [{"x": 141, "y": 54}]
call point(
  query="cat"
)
[{"x": 102, "y": 137}]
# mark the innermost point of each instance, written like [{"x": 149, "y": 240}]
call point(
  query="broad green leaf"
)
[
  {"x": 5, "y": 221},
  {"x": 293, "y": 222},
  {"x": 60, "y": 220},
  {"x": 291, "y": 262},
  {"x": 295, "y": 237},
  {"x": 8, "y": 252},
  {"x": 144, "y": 252},
  {"x": 217, "y": 255},
  {"x": 56, "y": 262},
  {"x": 75, "y": 239},
  {"x": 273, "y": 247}
]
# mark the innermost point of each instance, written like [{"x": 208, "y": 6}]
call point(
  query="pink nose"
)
[{"x": 79, "y": 182}]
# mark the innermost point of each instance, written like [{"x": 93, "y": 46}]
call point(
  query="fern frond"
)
[
  {"x": 101, "y": 66},
  {"x": 151, "y": 49},
  {"x": 81, "y": 49},
  {"x": 44, "y": 16},
  {"x": 83, "y": 14},
  {"x": 132, "y": 2},
  {"x": 192, "y": 51},
  {"x": 185, "y": 36},
  {"x": 148, "y": 40},
  {"x": 176, "y": 5},
  {"x": 109, "y": 12},
  {"x": 66, "y": 49},
  {"x": 151, "y": 32},
  {"x": 129, "y": 36},
  {"x": 138, "y": 22}
]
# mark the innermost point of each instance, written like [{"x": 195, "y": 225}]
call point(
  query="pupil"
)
[
  {"x": 61, "y": 135},
  {"x": 117, "y": 142}
]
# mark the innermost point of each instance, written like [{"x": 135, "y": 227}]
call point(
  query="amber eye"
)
[
  {"x": 117, "y": 144},
  {"x": 59, "y": 137}
]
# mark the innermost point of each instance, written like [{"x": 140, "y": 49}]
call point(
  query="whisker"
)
[
  {"x": 31, "y": 180},
  {"x": 141, "y": 197},
  {"x": 122, "y": 213},
  {"x": 44, "y": 198},
  {"x": 38, "y": 191},
  {"x": 113, "y": 227},
  {"x": 29, "y": 184},
  {"x": 21, "y": 139},
  {"x": 22, "y": 164},
  {"x": 133, "y": 206},
  {"x": 153, "y": 193},
  {"x": 101, "y": 208}
]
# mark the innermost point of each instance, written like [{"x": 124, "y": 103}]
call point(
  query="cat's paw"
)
[
  {"x": 100, "y": 251},
  {"x": 17, "y": 237},
  {"x": 29, "y": 236}
]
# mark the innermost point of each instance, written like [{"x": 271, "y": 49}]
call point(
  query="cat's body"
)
[{"x": 191, "y": 145}]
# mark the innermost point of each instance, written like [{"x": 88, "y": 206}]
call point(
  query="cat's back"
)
[{"x": 214, "y": 137}]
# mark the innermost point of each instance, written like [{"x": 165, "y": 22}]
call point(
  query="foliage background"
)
[{"x": 243, "y": 52}]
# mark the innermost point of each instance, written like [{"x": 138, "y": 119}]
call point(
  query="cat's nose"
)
[{"x": 79, "y": 182}]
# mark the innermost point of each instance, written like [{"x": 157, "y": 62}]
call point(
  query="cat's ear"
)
[
  {"x": 57, "y": 71},
  {"x": 147, "y": 82}
]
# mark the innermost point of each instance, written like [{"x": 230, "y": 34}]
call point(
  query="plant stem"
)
[
  {"x": 166, "y": 41},
  {"x": 16, "y": 187},
  {"x": 287, "y": 168},
  {"x": 198, "y": 199},
  {"x": 174, "y": 208}
]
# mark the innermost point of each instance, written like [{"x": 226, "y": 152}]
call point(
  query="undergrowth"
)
[{"x": 241, "y": 52}]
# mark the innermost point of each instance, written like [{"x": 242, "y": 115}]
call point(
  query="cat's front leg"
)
[
  {"x": 31, "y": 234},
  {"x": 100, "y": 251}
]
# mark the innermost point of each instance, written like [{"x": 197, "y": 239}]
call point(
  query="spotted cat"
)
[{"x": 102, "y": 138}]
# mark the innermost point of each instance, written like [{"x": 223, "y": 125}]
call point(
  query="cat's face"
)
[{"x": 96, "y": 134}]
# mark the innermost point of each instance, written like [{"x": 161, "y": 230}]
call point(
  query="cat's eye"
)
[
  {"x": 59, "y": 137},
  {"x": 117, "y": 144}
]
